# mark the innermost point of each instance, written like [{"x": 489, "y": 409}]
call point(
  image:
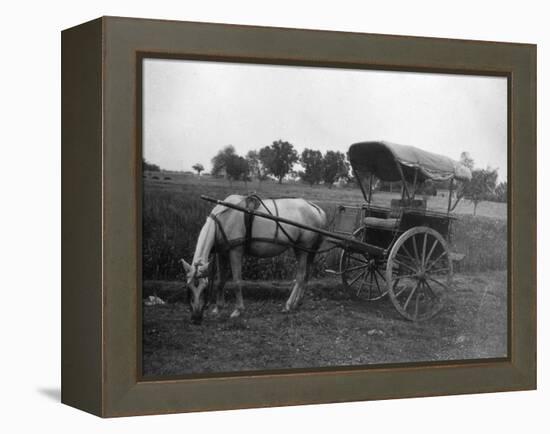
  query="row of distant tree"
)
[
  {"x": 278, "y": 161},
  {"x": 150, "y": 167}
]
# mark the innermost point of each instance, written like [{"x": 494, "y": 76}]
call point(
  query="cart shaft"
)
[{"x": 345, "y": 242}]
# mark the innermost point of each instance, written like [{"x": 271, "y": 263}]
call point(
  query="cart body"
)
[{"x": 415, "y": 268}]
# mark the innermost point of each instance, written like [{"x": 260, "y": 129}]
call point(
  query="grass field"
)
[
  {"x": 173, "y": 214},
  {"x": 320, "y": 194}
]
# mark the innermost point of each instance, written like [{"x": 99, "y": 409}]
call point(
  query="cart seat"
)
[{"x": 381, "y": 223}]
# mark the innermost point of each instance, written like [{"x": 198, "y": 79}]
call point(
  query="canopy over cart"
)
[
  {"x": 392, "y": 162},
  {"x": 411, "y": 166}
]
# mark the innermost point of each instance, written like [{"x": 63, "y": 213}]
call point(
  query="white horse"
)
[{"x": 225, "y": 233}]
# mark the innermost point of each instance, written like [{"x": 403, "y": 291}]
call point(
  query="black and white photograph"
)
[
  {"x": 275, "y": 216},
  {"x": 303, "y": 217}
]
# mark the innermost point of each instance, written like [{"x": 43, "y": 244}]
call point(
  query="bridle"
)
[{"x": 202, "y": 275}]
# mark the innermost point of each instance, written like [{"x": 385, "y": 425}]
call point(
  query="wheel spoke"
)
[
  {"x": 356, "y": 278},
  {"x": 405, "y": 265},
  {"x": 415, "y": 250},
  {"x": 377, "y": 284},
  {"x": 398, "y": 293},
  {"x": 362, "y": 283},
  {"x": 440, "y": 270},
  {"x": 416, "y": 303},
  {"x": 406, "y": 276},
  {"x": 430, "y": 252},
  {"x": 430, "y": 291},
  {"x": 358, "y": 259},
  {"x": 404, "y": 261},
  {"x": 436, "y": 261},
  {"x": 407, "y": 259},
  {"x": 424, "y": 249},
  {"x": 380, "y": 274},
  {"x": 437, "y": 281},
  {"x": 370, "y": 285},
  {"x": 357, "y": 267},
  {"x": 411, "y": 257},
  {"x": 410, "y": 296}
]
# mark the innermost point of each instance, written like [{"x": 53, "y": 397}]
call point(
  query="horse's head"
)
[{"x": 197, "y": 284}]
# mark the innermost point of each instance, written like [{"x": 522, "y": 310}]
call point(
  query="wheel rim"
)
[
  {"x": 419, "y": 272},
  {"x": 362, "y": 275}
]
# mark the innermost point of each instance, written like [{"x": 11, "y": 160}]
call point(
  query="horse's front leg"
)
[
  {"x": 219, "y": 284},
  {"x": 236, "y": 260},
  {"x": 300, "y": 283}
]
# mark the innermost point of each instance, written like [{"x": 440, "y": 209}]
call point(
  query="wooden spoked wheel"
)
[
  {"x": 419, "y": 272},
  {"x": 363, "y": 274}
]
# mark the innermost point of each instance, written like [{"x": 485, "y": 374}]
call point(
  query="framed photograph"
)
[{"x": 259, "y": 217}]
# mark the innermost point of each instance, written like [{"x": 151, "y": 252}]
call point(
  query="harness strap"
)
[
  {"x": 277, "y": 214},
  {"x": 278, "y": 224},
  {"x": 222, "y": 232},
  {"x": 252, "y": 203},
  {"x": 247, "y": 240}
]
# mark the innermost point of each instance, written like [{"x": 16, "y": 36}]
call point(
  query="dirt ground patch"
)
[{"x": 331, "y": 328}]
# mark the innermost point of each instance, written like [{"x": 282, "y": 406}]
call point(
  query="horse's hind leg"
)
[
  {"x": 221, "y": 278},
  {"x": 236, "y": 260},
  {"x": 301, "y": 279},
  {"x": 310, "y": 263}
]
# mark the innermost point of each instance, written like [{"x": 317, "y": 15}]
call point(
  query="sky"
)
[{"x": 192, "y": 109}]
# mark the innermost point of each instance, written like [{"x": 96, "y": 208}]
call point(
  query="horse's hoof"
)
[
  {"x": 215, "y": 311},
  {"x": 235, "y": 314},
  {"x": 286, "y": 309}
]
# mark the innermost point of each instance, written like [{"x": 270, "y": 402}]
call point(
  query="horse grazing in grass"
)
[{"x": 227, "y": 233}]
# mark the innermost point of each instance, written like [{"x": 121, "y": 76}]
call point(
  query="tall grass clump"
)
[
  {"x": 173, "y": 215},
  {"x": 171, "y": 225},
  {"x": 483, "y": 240}
]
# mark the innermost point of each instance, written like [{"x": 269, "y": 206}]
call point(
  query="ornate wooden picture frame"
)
[{"x": 101, "y": 215}]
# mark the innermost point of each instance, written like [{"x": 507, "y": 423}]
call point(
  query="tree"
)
[
  {"x": 198, "y": 168},
  {"x": 265, "y": 156},
  {"x": 335, "y": 167},
  {"x": 312, "y": 161},
  {"x": 481, "y": 186},
  {"x": 219, "y": 162},
  {"x": 150, "y": 167},
  {"x": 467, "y": 160},
  {"x": 227, "y": 162},
  {"x": 236, "y": 168},
  {"x": 255, "y": 166},
  {"x": 278, "y": 159},
  {"x": 501, "y": 192}
]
